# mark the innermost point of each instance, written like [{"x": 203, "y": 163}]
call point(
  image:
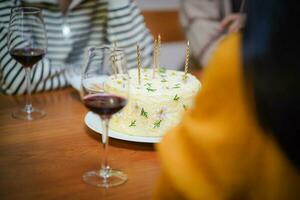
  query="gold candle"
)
[
  {"x": 114, "y": 60},
  {"x": 187, "y": 56},
  {"x": 158, "y": 52},
  {"x": 139, "y": 62},
  {"x": 154, "y": 57}
]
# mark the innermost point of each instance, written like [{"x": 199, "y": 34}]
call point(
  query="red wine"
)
[
  {"x": 104, "y": 104},
  {"x": 27, "y": 56}
]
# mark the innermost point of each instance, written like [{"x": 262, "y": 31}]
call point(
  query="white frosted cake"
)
[{"x": 156, "y": 105}]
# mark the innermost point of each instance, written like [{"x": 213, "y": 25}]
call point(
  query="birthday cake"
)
[{"x": 155, "y": 104}]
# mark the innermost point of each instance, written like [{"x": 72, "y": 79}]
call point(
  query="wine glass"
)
[
  {"x": 105, "y": 85},
  {"x": 27, "y": 43}
]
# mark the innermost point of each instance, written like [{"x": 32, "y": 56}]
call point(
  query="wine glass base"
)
[
  {"x": 96, "y": 178},
  {"x": 29, "y": 116}
]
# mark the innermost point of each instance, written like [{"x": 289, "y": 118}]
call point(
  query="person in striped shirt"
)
[{"x": 72, "y": 26}]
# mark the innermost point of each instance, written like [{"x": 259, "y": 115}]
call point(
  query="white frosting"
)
[{"x": 155, "y": 105}]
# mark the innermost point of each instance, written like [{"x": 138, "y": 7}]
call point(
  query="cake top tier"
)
[{"x": 166, "y": 82}]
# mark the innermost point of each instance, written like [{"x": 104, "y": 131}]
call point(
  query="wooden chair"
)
[{"x": 166, "y": 23}]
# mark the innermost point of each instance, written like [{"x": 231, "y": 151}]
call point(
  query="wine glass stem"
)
[
  {"x": 105, "y": 169},
  {"x": 28, "y": 106}
]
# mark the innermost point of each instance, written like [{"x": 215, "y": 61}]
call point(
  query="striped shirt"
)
[{"x": 87, "y": 23}]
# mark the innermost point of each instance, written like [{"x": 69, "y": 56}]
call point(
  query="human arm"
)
[{"x": 126, "y": 27}]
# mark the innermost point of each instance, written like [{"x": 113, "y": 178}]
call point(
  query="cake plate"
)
[{"x": 93, "y": 121}]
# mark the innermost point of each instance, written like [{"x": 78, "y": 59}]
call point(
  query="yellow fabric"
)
[{"x": 219, "y": 151}]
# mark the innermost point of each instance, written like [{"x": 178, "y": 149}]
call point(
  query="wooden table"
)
[{"x": 45, "y": 159}]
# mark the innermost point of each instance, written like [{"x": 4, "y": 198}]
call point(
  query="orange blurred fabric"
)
[{"x": 219, "y": 151}]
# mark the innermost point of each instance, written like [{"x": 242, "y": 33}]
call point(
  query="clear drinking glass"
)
[
  {"x": 27, "y": 44},
  {"x": 105, "y": 85}
]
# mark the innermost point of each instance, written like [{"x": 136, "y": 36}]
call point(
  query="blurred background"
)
[{"x": 162, "y": 17}]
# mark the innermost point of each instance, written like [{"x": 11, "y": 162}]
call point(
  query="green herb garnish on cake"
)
[
  {"x": 144, "y": 113},
  {"x": 177, "y": 85},
  {"x": 133, "y": 123},
  {"x": 185, "y": 107},
  {"x": 150, "y": 89},
  {"x": 148, "y": 84},
  {"x": 162, "y": 70},
  {"x": 157, "y": 123},
  {"x": 176, "y": 98}
]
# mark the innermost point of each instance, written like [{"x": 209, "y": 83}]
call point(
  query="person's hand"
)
[{"x": 232, "y": 23}]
